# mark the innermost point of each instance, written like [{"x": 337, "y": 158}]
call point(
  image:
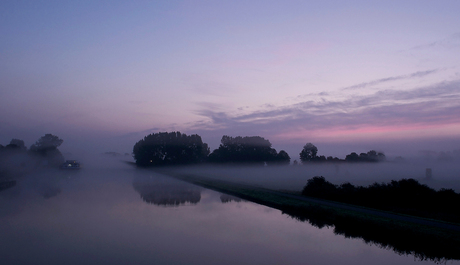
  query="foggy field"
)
[{"x": 444, "y": 175}]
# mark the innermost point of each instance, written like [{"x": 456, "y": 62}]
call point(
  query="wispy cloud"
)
[
  {"x": 451, "y": 41},
  {"x": 434, "y": 104},
  {"x": 392, "y": 78}
]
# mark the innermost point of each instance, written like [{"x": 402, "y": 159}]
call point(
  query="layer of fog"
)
[{"x": 443, "y": 174}]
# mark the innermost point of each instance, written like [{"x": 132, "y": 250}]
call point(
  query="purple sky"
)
[{"x": 344, "y": 75}]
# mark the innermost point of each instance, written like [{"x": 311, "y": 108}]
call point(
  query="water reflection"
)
[
  {"x": 98, "y": 218},
  {"x": 163, "y": 191},
  {"x": 48, "y": 183},
  {"x": 404, "y": 239},
  {"x": 224, "y": 198},
  {"x": 403, "y": 242}
]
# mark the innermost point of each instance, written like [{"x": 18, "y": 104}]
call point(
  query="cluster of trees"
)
[
  {"x": 406, "y": 196},
  {"x": 15, "y": 144},
  {"x": 309, "y": 154},
  {"x": 46, "y": 147},
  {"x": 174, "y": 148},
  {"x": 254, "y": 149},
  {"x": 44, "y": 152},
  {"x": 371, "y": 156},
  {"x": 167, "y": 149}
]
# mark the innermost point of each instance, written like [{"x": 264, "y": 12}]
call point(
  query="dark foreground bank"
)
[{"x": 406, "y": 196}]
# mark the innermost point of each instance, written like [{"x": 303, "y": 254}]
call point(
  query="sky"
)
[{"x": 348, "y": 76}]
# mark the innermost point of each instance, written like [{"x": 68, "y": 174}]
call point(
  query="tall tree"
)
[
  {"x": 308, "y": 152},
  {"x": 47, "y": 142},
  {"x": 46, "y": 147}
]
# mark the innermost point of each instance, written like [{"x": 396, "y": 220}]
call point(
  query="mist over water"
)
[{"x": 111, "y": 212}]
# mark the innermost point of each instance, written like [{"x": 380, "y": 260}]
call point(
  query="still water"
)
[{"x": 123, "y": 215}]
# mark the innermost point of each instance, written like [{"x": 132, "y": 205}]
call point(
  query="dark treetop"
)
[
  {"x": 248, "y": 149},
  {"x": 167, "y": 149}
]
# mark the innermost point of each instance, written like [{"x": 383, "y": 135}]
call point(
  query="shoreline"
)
[{"x": 408, "y": 235}]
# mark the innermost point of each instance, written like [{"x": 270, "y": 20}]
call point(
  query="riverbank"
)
[{"x": 423, "y": 238}]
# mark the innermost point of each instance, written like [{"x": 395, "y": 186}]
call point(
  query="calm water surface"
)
[{"x": 122, "y": 215}]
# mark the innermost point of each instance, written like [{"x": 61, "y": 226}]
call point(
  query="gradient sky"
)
[{"x": 344, "y": 75}]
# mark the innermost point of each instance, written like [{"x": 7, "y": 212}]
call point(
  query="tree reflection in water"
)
[
  {"x": 224, "y": 198},
  {"x": 401, "y": 241},
  {"x": 166, "y": 192},
  {"x": 438, "y": 243}
]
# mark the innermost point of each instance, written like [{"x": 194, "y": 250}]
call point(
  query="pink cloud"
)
[{"x": 371, "y": 132}]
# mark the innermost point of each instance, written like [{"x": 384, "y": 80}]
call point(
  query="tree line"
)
[
  {"x": 406, "y": 196},
  {"x": 15, "y": 157},
  {"x": 175, "y": 148}
]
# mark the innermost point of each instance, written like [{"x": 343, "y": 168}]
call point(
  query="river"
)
[{"x": 123, "y": 215}]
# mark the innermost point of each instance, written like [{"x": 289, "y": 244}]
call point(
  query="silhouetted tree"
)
[
  {"x": 47, "y": 142},
  {"x": 18, "y": 143},
  {"x": 249, "y": 149},
  {"x": 374, "y": 156},
  {"x": 319, "y": 187},
  {"x": 13, "y": 158},
  {"x": 174, "y": 148},
  {"x": 308, "y": 153},
  {"x": 332, "y": 159},
  {"x": 371, "y": 156},
  {"x": 16, "y": 146},
  {"x": 46, "y": 148},
  {"x": 353, "y": 157},
  {"x": 321, "y": 158},
  {"x": 283, "y": 158}
]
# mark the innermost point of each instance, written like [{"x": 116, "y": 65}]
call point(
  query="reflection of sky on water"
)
[{"x": 98, "y": 218}]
